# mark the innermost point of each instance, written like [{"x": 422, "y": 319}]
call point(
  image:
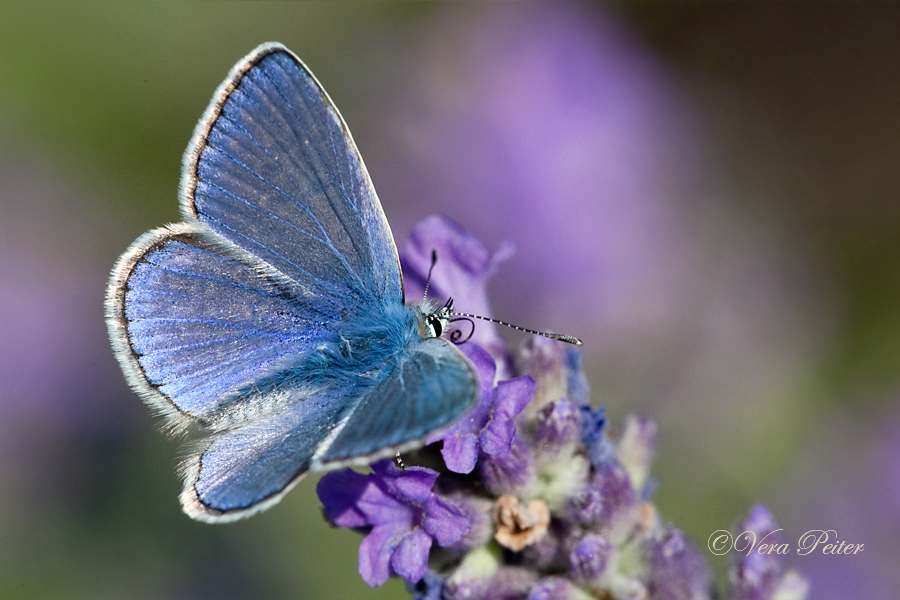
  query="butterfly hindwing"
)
[
  {"x": 248, "y": 468},
  {"x": 344, "y": 422},
  {"x": 430, "y": 383}
]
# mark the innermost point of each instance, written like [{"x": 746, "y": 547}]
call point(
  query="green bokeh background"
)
[{"x": 798, "y": 111}]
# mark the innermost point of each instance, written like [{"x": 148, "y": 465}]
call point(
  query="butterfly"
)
[{"x": 273, "y": 316}]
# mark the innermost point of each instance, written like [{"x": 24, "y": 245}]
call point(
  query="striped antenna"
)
[
  {"x": 430, "y": 269},
  {"x": 447, "y": 311},
  {"x": 553, "y": 336}
]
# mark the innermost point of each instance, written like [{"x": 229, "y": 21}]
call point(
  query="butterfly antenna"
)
[
  {"x": 553, "y": 336},
  {"x": 398, "y": 460},
  {"x": 448, "y": 311},
  {"x": 430, "y": 269}
]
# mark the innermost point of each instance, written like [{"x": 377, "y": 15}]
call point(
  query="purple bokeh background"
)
[{"x": 707, "y": 202}]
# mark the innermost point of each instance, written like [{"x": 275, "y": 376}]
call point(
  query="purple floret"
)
[
  {"x": 489, "y": 428},
  {"x": 403, "y": 512}
]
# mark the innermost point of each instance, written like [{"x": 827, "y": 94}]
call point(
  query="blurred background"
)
[{"x": 706, "y": 194}]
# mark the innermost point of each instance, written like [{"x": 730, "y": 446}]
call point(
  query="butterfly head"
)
[{"x": 436, "y": 321}]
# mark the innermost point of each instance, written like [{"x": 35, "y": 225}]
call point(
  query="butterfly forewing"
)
[{"x": 273, "y": 169}]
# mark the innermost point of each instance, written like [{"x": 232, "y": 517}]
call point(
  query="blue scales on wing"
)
[
  {"x": 274, "y": 170},
  {"x": 422, "y": 386},
  {"x": 203, "y": 325},
  {"x": 426, "y": 386}
]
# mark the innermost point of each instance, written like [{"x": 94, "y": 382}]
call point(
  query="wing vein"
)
[{"x": 307, "y": 151}]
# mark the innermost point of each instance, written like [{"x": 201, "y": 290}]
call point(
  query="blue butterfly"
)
[{"x": 273, "y": 316}]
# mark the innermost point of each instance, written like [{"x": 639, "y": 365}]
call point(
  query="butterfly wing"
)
[
  {"x": 193, "y": 324},
  {"x": 273, "y": 169},
  {"x": 245, "y": 470},
  {"x": 427, "y": 386}
]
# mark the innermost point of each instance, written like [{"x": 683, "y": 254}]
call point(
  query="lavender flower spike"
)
[
  {"x": 535, "y": 503},
  {"x": 403, "y": 512},
  {"x": 556, "y": 588}
]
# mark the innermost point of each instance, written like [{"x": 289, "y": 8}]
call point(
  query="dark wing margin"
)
[
  {"x": 245, "y": 470},
  {"x": 272, "y": 168}
]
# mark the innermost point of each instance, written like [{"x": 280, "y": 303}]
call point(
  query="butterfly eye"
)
[{"x": 435, "y": 324}]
